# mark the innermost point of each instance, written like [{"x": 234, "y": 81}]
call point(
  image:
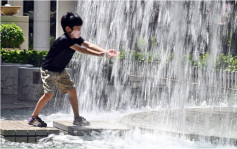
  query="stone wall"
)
[
  {"x": 21, "y": 81},
  {"x": 9, "y": 78},
  {"x": 29, "y": 85}
]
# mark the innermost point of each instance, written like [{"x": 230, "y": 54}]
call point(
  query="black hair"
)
[{"x": 71, "y": 19}]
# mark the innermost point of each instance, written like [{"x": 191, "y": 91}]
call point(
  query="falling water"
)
[{"x": 168, "y": 31}]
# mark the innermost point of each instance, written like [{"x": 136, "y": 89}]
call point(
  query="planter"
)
[{"x": 10, "y": 10}]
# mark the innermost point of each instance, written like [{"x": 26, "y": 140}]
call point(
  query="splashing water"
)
[{"x": 134, "y": 139}]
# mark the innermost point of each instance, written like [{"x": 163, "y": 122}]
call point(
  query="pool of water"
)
[{"x": 133, "y": 139}]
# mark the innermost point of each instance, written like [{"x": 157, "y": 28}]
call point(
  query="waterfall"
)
[{"x": 158, "y": 39}]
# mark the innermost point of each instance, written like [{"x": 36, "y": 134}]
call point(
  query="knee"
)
[
  {"x": 72, "y": 92},
  {"x": 48, "y": 95}
]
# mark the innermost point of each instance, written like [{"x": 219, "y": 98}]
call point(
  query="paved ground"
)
[
  {"x": 20, "y": 131},
  {"x": 215, "y": 123},
  {"x": 8, "y": 102}
]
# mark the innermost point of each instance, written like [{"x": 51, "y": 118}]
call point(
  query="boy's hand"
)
[{"x": 111, "y": 53}]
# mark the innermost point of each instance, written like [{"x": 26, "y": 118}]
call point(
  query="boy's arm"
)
[
  {"x": 94, "y": 50},
  {"x": 93, "y": 47},
  {"x": 86, "y": 50}
]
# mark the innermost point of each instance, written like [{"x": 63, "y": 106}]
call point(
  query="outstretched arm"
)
[
  {"x": 93, "y": 47},
  {"x": 86, "y": 50},
  {"x": 94, "y": 50}
]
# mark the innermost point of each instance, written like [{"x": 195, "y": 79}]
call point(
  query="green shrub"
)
[
  {"x": 11, "y": 36},
  {"x": 228, "y": 62},
  {"x": 24, "y": 57}
]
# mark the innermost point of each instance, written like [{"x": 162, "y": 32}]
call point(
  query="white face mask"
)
[{"x": 76, "y": 34}]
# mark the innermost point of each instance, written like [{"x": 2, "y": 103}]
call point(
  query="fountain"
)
[{"x": 173, "y": 36}]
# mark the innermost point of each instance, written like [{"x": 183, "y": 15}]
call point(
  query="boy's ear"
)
[{"x": 68, "y": 29}]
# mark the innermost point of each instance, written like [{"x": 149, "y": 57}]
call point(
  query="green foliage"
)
[
  {"x": 154, "y": 42},
  {"x": 11, "y": 36},
  {"x": 228, "y": 62},
  {"x": 24, "y": 57},
  {"x": 122, "y": 53}
]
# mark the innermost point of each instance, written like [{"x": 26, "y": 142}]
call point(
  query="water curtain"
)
[{"x": 163, "y": 62}]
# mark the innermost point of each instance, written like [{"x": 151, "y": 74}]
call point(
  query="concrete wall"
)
[
  {"x": 9, "y": 78},
  {"x": 22, "y": 81},
  {"x": 29, "y": 83},
  {"x": 23, "y": 23}
]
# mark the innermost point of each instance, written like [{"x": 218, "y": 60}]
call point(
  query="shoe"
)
[
  {"x": 81, "y": 121},
  {"x": 36, "y": 122}
]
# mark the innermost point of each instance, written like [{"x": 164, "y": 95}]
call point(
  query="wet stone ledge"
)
[{"x": 68, "y": 128}]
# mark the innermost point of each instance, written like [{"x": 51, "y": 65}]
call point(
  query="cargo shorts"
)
[{"x": 61, "y": 80}]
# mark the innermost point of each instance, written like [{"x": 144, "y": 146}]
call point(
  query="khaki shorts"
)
[{"x": 56, "y": 79}]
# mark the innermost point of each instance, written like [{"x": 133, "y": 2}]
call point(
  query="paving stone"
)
[
  {"x": 31, "y": 139},
  {"x": 13, "y": 139},
  {"x": 41, "y": 132},
  {"x": 31, "y": 132},
  {"x": 21, "y": 132},
  {"x": 21, "y": 139},
  {"x": 5, "y": 132}
]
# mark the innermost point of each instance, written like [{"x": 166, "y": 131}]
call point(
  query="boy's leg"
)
[
  {"x": 41, "y": 103},
  {"x": 74, "y": 101},
  {"x": 78, "y": 120},
  {"x": 66, "y": 85}
]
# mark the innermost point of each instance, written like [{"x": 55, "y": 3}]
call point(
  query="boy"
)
[{"x": 53, "y": 71}]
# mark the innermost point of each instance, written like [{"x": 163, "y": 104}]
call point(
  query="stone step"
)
[
  {"x": 68, "y": 127},
  {"x": 20, "y": 131}
]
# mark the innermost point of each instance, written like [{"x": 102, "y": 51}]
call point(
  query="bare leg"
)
[
  {"x": 41, "y": 103},
  {"x": 74, "y": 101}
]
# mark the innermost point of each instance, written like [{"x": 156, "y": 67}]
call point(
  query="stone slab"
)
[
  {"x": 68, "y": 127},
  {"x": 216, "y": 123},
  {"x": 20, "y": 131}
]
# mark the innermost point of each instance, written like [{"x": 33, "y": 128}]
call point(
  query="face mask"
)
[{"x": 76, "y": 34}]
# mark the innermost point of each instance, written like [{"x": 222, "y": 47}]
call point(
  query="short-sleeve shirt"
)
[{"x": 60, "y": 53}]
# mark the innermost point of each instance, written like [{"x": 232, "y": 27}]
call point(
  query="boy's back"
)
[{"x": 60, "y": 53}]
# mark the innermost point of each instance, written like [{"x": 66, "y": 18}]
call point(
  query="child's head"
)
[{"x": 70, "y": 20}]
